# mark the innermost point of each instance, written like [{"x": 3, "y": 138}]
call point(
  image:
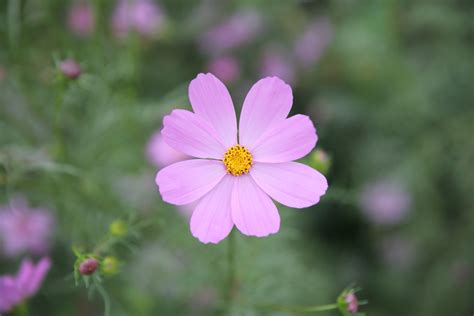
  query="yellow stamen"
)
[{"x": 237, "y": 160}]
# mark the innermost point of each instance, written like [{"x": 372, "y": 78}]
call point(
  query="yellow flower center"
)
[{"x": 237, "y": 160}]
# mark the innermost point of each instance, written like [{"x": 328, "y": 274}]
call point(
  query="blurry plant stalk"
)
[{"x": 346, "y": 303}]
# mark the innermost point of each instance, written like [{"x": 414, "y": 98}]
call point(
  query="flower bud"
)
[
  {"x": 70, "y": 68},
  {"x": 320, "y": 161},
  {"x": 110, "y": 265},
  {"x": 88, "y": 266},
  {"x": 352, "y": 303},
  {"x": 118, "y": 228},
  {"x": 348, "y": 303}
]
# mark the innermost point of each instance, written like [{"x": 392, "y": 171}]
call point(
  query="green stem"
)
[
  {"x": 21, "y": 310},
  {"x": 57, "y": 118},
  {"x": 232, "y": 276},
  {"x": 299, "y": 309},
  {"x": 105, "y": 297}
]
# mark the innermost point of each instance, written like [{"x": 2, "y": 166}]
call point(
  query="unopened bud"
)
[
  {"x": 88, "y": 266},
  {"x": 70, "y": 68},
  {"x": 348, "y": 303},
  {"x": 352, "y": 303},
  {"x": 320, "y": 160},
  {"x": 118, "y": 228},
  {"x": 110, "y": 265}
]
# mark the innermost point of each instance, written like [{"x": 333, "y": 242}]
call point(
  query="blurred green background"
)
[{"x": 389, "y": 85}]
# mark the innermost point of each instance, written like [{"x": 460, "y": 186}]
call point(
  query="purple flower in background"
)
[
  {"x": 275, "y": 63},
  {"x": 236, "y": 31},
  {"x": 81, "y": 18},
  {"x": 160, "y": 153},
  {"x": 70, "y": 68},
  {"x": 25, "y": 229},
  {"x": 226, "y": 68},
  {"x": 142, "y": 16},
  {"x": 16, "y": 289},
  {"x": 385, "y": 202},
  {"x": 235, "y": 175},
  {"x": 311, "y": 45}
]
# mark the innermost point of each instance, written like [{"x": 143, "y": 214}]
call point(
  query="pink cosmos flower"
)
[
  {"x": 226, "y": 68},
  {"x": 275, "y": 63},
  {"x": 81, "y": 18},
  {"x": 16, "y": 289},
  {"x": 142, "y": 16},
  {"x": 70, "y": 68},
  {"x": 161, "y": 155},
  {"x": 311, "y": 45},
  {"x": 385, "y": 202},
  {"x": 236, "y": 174},
  {"x": 237, "y": 30},
  {"x": 24, "y": 229}
]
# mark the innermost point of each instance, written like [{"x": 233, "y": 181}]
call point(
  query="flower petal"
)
[
  {"x": 211, "y": 100},
  {"x": 192, "y": 135},
  {"x": 290, "y": 183},
  {"x": 212, "y": 219},
  {"x": 253, "y": 212},
  {"x": 24, "y": 276},
  {"x": 267, "y": 103},
  {"x": 292, "y": 139},
  {"x": 186, "y": 181},
  {"x": 40, "y": 271},
  {"x": 11, "y": 295}
]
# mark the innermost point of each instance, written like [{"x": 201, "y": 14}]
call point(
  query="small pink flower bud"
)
[
  {"x": 70, "y": 68},
  {"x": 88, "y": 266},
  {"x": 352, "y": 303}
]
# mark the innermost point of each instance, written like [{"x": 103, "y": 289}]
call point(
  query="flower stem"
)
[
  {"x": 299, "y": 309},
  {"x": 232, "y": 275},
  {"x": 59, "y": 98},
  {"x": 105, "y": 297}
]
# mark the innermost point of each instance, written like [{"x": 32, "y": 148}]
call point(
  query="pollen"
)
[{"x": 237, "y": 160}]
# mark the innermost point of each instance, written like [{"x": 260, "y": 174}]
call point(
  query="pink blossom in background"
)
[
  {"x": 226, "y": 68},
  {"x": 16, "y": 289},
  {"x": 70, "y": 68},
  {"x": 235, "y": 177},
  {"x": 24, "y": 229},
  {"x": 81, "y": 18},
  {"x": 385, "y": 202},
  {"x": 237, "y": 30},
  {"x": 274, "y": 63},
  {"x": 160, "y": 153},
  {"x": 142, "y": 16},
  {"x": 311, "y": 45}
]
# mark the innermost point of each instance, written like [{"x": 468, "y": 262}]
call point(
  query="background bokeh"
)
[{"x": 389, "y": 85}]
